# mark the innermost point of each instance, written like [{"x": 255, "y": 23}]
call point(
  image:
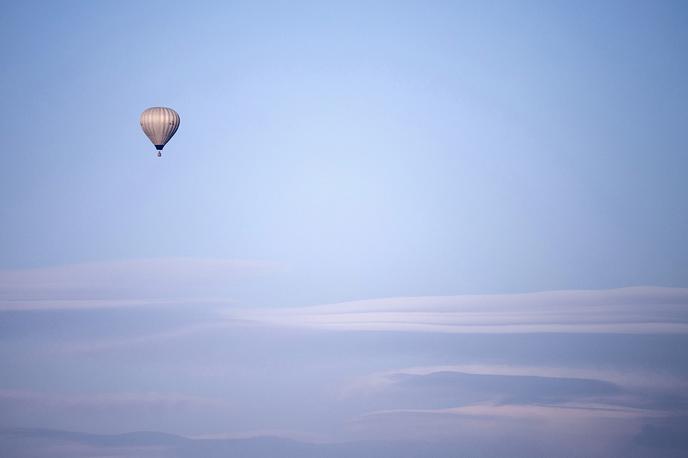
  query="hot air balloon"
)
[{"x": 159, "y": 124}]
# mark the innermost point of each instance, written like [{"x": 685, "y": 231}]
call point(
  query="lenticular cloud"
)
[{"x": 639, "y": 310}]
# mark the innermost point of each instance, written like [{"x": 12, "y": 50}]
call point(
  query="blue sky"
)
[{"x": 476, "y": 180}]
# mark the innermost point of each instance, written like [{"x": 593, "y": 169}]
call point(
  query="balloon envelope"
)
[{"x": 159, "y": 124}]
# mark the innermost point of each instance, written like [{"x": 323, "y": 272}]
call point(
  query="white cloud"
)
[
  {"x": 639, "y": 310},
  {"x": 559, "y": 412}
]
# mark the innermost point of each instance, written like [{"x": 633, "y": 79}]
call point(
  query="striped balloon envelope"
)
[{"x": 159, "y": 124}]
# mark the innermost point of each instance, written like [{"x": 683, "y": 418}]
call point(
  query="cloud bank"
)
[{"x": 473, "y": 375}]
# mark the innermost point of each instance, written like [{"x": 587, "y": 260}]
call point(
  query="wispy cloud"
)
[
  {"x": 489, "y": 429},
  {"x": 530, "y": 411},
  {"x": 639, "y": 310},
  {"x": 138, "y": 282}
]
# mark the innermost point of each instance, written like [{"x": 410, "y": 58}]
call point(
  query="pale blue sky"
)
[
  {"x": 400, "y": 148},
  {"x": 341, "y": 151}
]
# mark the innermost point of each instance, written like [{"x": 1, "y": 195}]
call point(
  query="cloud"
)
[
  {"x": 629, "y": 379},
  {"x": 139, "y": 282},
  {"x": 440, "y": 389},
  {"x": 565, "y": 411},
  {"x": 520, "y": 410},
  {"x": 488, "y": 429},
  {"x": 281, "y": 369},
  {"x": 638, "y": 310},
  {"x": 456, "y": 388},
  {"x": 527, "y": 410}
]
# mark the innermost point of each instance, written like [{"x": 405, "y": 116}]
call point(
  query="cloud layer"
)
[
  {"x": 481, "y": 375},
  {"x": 639, "y": 310}
]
